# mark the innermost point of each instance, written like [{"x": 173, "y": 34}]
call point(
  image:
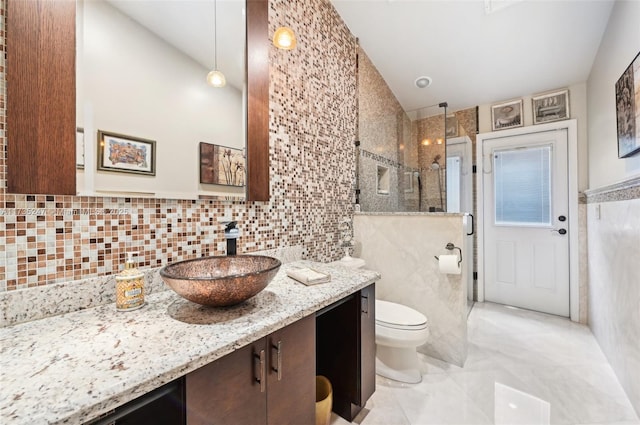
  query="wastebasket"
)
[{"x": 324, "y": 400}]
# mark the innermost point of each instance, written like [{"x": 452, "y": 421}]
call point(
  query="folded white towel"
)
[{"x": 308, "y": 276}]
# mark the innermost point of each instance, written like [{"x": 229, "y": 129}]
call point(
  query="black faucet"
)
[{"x": 231, "y": 233}]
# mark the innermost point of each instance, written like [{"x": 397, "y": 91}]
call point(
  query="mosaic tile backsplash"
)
[{"x": 46, "y": 239}]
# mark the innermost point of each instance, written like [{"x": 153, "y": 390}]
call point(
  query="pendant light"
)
[{"x": 215, "y": 78}]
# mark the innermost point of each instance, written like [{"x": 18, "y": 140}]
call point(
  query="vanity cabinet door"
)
[
  {"x": 227, "y": 390},
  {"x": 256, "y": 384},
  {"x": 367, "y": 339},
  {"x": 291, "y": 385}
]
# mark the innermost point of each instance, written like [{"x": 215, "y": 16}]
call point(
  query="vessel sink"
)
[{"x": 220, "y": 281}]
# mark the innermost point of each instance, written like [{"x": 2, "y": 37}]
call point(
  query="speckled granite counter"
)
[{"x": 74, "y": 367}]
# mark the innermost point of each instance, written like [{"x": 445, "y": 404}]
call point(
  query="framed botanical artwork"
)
[
  {"x": 628, "y": 110},
  {"x": 506, "y": 115},
  {"x": 548, "y": 107},
  {"x": 451, "y": 123},
  {"x": 79, "y": 148},
  {"x": 126, "y": 154},
  {"x": 222, "y": 165}
]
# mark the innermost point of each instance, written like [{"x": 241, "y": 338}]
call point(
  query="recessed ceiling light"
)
[{"x": 423, "y": 82}]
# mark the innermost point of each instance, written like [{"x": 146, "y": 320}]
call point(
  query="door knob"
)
[
  {"x": 561, "y": 231},
  {"x": 562, "y": 218}
]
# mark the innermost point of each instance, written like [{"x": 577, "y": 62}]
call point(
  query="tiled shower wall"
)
[
  {"x": 49, "y": 239},
  {"x": 430, "y": 130},
  {"x": 386, "y": 140}
]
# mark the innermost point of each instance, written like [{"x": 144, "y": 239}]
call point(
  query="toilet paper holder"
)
[{"x": 451, "y": 247}]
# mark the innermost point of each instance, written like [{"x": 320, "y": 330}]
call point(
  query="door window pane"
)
[{"x": 522, "y": 181}]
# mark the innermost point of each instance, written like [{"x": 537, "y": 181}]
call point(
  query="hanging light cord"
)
[{"x": 215, "y": 36}]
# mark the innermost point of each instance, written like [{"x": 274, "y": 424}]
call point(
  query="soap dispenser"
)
[{"x": 129, "y": 286}]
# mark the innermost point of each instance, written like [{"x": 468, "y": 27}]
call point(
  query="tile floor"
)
[{"x": 523, "y": 368}]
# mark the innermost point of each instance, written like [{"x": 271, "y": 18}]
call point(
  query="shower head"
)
[{"x": 435, "y": 165}]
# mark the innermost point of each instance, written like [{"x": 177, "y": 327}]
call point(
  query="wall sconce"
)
[
  {"x": 426, "y": 142},
  {"x": 439, "y": 141},
  {"x": 284, "y": 38}
]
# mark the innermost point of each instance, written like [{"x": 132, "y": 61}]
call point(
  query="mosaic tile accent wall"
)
[{"x": 50, "y": 239}]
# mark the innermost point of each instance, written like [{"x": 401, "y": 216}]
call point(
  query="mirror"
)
[
  {"x": 427, "y": 159},
  {"x": 141, "y": 86}
]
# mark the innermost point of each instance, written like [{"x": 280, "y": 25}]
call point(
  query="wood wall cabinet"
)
[
  {"x": 41, "y": 97},
  {"x": 346, "y": 350},
  {"x": 271, "y": 381}
]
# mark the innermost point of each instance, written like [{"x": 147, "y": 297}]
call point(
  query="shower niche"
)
[{"x": 382, "y": 180}]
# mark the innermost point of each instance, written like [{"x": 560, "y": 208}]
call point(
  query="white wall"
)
[
  {"x": 134, "y": 83},
  {"x": 619, "y": 45},
  {"x": 613, "y": 220},
  {"x": 577, "y": 110}
]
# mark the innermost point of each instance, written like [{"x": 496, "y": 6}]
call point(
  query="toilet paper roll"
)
[{"x": 448, "y": 264}]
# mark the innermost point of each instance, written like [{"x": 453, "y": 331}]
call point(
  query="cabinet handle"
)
[
  {"x": 261, "y": 379},
  {"x": 278, "y": 368},
  {"x": 364, "y": 304}
]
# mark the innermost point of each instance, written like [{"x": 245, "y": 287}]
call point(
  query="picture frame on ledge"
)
[
  {"x": 628, "y": 110},
  {"x": 222, "y": 165},
  {"x": 549, "y": 107},
  {"x": 80, "y": 148},
  {"x": 126, "y": 154},
  {"x": 507, "y": 115}
]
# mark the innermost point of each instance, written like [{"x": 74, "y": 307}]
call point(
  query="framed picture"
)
[
  {"x": 451, "y": 123},
  {"x": 79, "y": 148},
  {"x": 628, "y": 110},
  {"x": 548, "y": 107},
  {"x": 506, "y": 115},
  {"x": 126, "y": 154},
  {"x": 222, "y": 165}
]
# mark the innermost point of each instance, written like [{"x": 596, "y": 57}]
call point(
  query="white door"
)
[{"x": 526, "y": 214}]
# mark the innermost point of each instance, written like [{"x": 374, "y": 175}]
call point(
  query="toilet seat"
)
[{"x": 398, "y": 316}]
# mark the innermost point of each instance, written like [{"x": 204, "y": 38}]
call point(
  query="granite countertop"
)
[
  {"x": 74, "y": 367},
  {"x": 412, "y": 213}
]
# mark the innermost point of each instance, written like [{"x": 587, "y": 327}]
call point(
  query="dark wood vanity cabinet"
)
[
  {"x": 346, "y": 350},
  {"x": 271, "y": 381}
]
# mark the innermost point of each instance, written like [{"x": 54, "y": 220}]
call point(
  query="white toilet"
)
[{"x": 399, "y": 331}]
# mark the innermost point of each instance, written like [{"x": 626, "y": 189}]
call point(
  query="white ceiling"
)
[
  {"x": 188, "y": 25},
  {"x": 472, "y": 56},
  {"x": 475, "y": 57}
]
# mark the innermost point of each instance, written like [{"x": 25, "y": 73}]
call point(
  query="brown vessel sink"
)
[{"x": 220, "y": 281}]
